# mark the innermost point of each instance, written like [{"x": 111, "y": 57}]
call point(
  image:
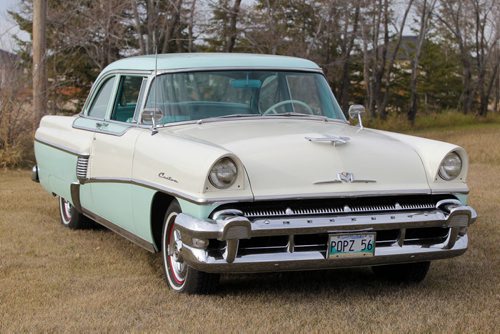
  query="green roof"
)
[{"x": 177, "y": 61}]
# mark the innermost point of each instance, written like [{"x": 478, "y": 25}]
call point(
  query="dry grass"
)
[{"x": 56, "y": 280}]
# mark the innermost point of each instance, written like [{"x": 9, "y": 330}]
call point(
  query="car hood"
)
[{"x": 281, "y": 163}]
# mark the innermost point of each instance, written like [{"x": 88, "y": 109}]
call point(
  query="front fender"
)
[
  {"x": 432, "y": 153},
  {"x": 180, "y": 166}
]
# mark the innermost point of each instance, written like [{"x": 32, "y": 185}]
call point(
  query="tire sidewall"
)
[{"x": 167, "y": 231}]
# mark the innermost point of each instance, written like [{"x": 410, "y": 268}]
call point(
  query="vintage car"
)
[{"x": 240, "y": 163}]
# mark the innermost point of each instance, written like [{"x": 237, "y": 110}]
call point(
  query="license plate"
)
[{"x": 351, "y": 245}]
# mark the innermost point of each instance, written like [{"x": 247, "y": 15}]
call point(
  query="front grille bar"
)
[
  {"x": 334, "y": 210},
  {"x": 292, "y": 246}
]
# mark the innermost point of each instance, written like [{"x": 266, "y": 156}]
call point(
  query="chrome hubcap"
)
[
  {"x": 66, "y": 210},
  {"x": 177, "y": 266},
  {"x": 177, "y": 245}
]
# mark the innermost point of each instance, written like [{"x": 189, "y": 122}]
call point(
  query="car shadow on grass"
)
[
  {"x": 359, "y": 280},
  {"x": 310, "y": 282}
]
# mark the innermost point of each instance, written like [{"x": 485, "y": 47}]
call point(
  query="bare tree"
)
[
  {"x": 379, "y": 61},
  {"x": 232, "y": 32},
  {"x": 347, "y": 45},
  {"x": 191, "y": 26},
  {"x": 425, "y": 10},
  {"x": 476, "y": 39},
  {"x": 39, "y": 61},
  {"x": 158, "y": 25}
]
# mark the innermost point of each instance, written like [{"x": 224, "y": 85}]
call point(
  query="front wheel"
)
[
  {"x": 179, "y": 275},
  {"x": 403, "y": 273},
  {"x": 71, "y": 217}
]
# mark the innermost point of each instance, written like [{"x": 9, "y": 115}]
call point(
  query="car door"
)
[{"x": 111, "y": 115}]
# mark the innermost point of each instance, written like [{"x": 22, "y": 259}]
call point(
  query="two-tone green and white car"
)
[{"x": 240, "y": 163}]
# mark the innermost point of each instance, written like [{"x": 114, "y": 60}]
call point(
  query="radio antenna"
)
[{"x": 155, "y": 90}]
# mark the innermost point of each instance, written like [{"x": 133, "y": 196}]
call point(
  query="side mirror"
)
[
  {"x": 151, "y": 116},
  {"x": 355, "y": 111}
]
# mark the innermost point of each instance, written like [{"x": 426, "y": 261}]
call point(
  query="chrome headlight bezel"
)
[
  {"x": 451, "y": 166},
  {"x": 223, "y": 173}
]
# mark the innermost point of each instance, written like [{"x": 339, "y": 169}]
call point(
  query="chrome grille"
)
[
  {"x": 81, "y": 167},
  {"x": 334, "y": 210},
  {"x": 426, "y": 236}
]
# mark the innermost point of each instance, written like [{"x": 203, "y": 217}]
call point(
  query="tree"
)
[
  {"x": 224, "y": 25},
  {"x": 160, "y": 25},
  {"x": 440, "y": 84},
  {"x": 380, "y": 59},
  {"x": 425, "y": 10},
  {"x": 473, "y": 25}
]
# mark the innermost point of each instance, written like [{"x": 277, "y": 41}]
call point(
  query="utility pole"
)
[{"x": 39, "y": 65}]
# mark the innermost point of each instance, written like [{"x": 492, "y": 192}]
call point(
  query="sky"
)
[{"x": 8, "y": 27}]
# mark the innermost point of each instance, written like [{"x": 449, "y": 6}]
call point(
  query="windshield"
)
[{"x": 199, "y": 95}]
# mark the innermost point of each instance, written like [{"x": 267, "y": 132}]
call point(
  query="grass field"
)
[{"x": 56, "y": 280}]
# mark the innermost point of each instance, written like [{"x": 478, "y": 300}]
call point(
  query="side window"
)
[
  {"x": 127, "y": 98},
  {"x": 101, "y": 100}
]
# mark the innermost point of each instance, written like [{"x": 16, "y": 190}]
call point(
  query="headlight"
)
[
  {"x": 223, "y": 173},
  {"x": 451, "y": 166}
]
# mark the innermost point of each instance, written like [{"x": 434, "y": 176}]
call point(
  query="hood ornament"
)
[
  {"x": 345, "y": 177},
  {"x": 335, "y": 140}
]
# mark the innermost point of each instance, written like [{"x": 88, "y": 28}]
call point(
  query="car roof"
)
[{"x": 199, "y": 61}]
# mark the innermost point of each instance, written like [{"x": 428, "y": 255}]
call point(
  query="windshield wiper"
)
[
  {"x": 226, "y": 116},
  {"x": 289, "y": 114}
]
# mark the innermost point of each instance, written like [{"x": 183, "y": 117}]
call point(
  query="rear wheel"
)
[
  {"x": 179, "y": 275},
  {"x": 403, "y": 273},
  {"x": 71, "y": 217}
]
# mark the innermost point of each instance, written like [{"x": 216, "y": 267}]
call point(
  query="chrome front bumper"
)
[{"x": 229, "y": 227}]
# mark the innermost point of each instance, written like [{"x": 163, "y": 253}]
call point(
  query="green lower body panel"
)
[{"x": 56, "y": 169}]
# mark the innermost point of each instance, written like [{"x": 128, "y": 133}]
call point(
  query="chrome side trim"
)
[
  {"x": 120, "y": 231},
  {"x": 61, "y": 148},
  {"x": 170, "y": 191},
  {"x": 103, "y": 131}
]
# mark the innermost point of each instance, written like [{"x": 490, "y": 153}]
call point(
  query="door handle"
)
[{"x": 101, "y": 125}]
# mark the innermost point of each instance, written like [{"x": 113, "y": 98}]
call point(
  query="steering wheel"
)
[{"x": 272, "y": 109}]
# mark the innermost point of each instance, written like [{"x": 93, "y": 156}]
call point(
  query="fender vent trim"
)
[{"x": 82, "y": 165}]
